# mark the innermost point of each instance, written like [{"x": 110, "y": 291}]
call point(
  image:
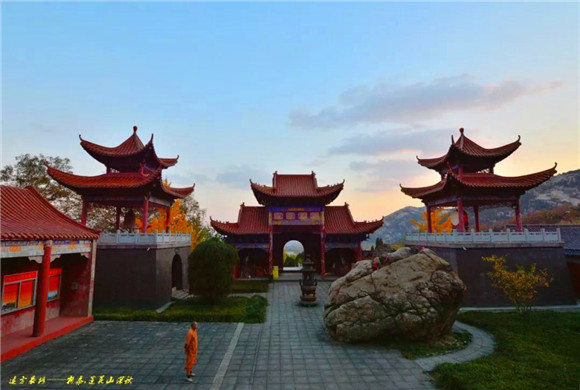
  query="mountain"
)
[{"x": 562, "y": 188}]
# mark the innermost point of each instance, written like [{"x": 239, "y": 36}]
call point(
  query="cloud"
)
[
  {"x": 411, "y": 103},
  {"x": 405, "y": 139},
  {"x": 239, "y": 177},
  {"x": 385, "y": 175},
  {"x": 177, "y": 179}
]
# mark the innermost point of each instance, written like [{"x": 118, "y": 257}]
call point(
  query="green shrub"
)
[
  {"x": 256, "y": 310},
  {"x": 211, "y": 269}
]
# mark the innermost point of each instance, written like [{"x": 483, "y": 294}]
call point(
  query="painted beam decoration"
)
[
  {"x": 36, "y": 248},
  {"x": 296, "y": 216}
]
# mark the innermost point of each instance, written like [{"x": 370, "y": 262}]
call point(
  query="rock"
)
[{"x": 416, "y": 296}]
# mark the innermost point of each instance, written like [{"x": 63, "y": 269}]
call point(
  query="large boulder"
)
[{"x": 412, "y": 295}]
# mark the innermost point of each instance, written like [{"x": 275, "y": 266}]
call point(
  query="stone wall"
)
[
  {"x": 137, "y": 276},
  {"x": 468, "y": 263}
]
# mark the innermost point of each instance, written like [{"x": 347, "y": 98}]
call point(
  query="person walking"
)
[{"x": 190, "y": 350}]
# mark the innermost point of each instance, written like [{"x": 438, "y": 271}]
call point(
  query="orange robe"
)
[{"x": 190, "y": 349}]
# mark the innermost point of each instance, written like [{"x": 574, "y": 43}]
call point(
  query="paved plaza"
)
[{"x": 291, "y": 350}]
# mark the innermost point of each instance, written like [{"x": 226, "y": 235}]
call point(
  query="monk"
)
[{"x": 190, "y": 350}]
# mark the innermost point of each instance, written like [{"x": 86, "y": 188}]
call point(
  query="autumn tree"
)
[
  {"x": 185, "y": 216},
  {"x": 440, "y": 222}
]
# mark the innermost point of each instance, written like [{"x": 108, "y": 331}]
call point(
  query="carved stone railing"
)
[
  {"x": 138, "y": 239},
  {"x": 486, "y": 237}
]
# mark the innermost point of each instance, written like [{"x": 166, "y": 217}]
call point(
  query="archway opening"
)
[
  {"x": 293, "y": 255},
  {"x": 176, "y": 273}
]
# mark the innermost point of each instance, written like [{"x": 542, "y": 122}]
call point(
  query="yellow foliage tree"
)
[
  {"x": 178, "y": 222},
  {"x": 440, "y": 222},
  {"x": 520, "y": 286}
]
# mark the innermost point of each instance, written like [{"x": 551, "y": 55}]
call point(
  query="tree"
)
[
  {"x": 440, "y": 222},
  {"x": 31, "y": 171},
  {"x": 211, "y": 268},
  {"x": 185, "y": 216},
  {"x": 521, "y": 285}
]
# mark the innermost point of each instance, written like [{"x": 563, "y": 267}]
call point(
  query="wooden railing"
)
[{"x": 490, "y": 237}]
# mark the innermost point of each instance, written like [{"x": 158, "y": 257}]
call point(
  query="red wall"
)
[{"x": 72, "y": 302}]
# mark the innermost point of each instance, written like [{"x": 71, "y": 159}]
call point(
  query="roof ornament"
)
[
  {"x": 461, "y": 130},
  {"x": 134, "y": 129}
]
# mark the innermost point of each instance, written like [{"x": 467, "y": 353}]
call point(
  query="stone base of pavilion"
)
[
  {"x": 15, "y": 343},
  {"x": 464, "y": 251},
  {"x": 140, "y": 269}
]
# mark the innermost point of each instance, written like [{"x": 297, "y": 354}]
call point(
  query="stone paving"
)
[{"x": 291, "y": 350}]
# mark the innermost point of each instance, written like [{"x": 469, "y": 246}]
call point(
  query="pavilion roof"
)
[
  {"x": 295, "y": 188},
  {"x": 467, "y": 151},
  {"x": 26, "y": 215},
  {"x": 454, "y": 183},
  {"x": 125, "y": 183},
  {"x": 128, "y": 155},
  {"x": 254, "y": 220}
]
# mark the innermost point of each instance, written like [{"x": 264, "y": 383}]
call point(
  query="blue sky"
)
[{"x": 238, "y": 90}]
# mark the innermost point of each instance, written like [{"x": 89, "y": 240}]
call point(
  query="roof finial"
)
[
  {"x": 134, "y": 129},
  {"x": 461, "y": 130}
]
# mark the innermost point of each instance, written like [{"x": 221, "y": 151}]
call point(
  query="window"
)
[{"x": 19, "y": 291}]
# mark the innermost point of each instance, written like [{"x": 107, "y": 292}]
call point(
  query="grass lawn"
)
[
  {"x": 537, "y": 351},
  {"x": 418, "y": 349},
  {"x": 250, "y": 286},
  {"x": 231, "y": 309}
]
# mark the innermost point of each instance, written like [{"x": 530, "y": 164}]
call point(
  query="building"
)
[
  {"x": 468, "y": 180},
  {"x": 135, "y": 268},
  {"x": 294, "y": 207},
  {"x": 48, "y": 267}
]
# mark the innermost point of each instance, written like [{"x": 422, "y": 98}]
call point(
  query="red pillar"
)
[
  {"x": 476, "y": 213},
  {"x": 145, "y": 215},
  {"x": 519, "y": 225},
  {"x": 167, "y": 219},
  {"x": 429, "y": 222},
  {"x": 322, "y": 251},
  {"x": 271, "y": 250},
  {"x": 84, "y": 212},
  {"x": 42, "y": 292},
  {"x": 461, "y": 226},
  {"x": 118, "y": 219},
  {"x": 359, "y": 252}
]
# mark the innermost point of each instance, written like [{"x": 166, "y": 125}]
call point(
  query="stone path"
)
[
  {"x": 482, "y": 344},
  {"x": 290, "y": 351}
]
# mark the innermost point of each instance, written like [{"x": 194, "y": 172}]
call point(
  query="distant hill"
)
[{"x": 562, "y": 188}]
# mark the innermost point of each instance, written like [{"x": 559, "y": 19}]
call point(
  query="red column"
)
[
  {"x": 145, "y": 216},
  {"x": 167, "y": 220},
  {"x": 429, "y": 222},
  {"x": 519, "y": 225},
  {"x": 84, "y": 212},
  {"x": 476, "y": 213},
  {"x": 359, "y": 252},
  {"x": 271, "y": 250},
  {"x": 118, "y": 219},
  {"x": 42, "y": 292},
  {"x": 322, "y": 251},
  {"x": 461, "y": 222}
]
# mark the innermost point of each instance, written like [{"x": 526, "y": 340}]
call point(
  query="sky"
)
[{"x": 351, "y": 91}]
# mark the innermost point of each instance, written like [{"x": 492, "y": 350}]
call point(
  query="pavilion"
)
[
  {"x": 48, "y": 266},
  {"x": 132, "y": 179},
  {"x": 294, "y": 207},
  {"x": 468, "y": 180},
  {"x": 135, "y": 268}
]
